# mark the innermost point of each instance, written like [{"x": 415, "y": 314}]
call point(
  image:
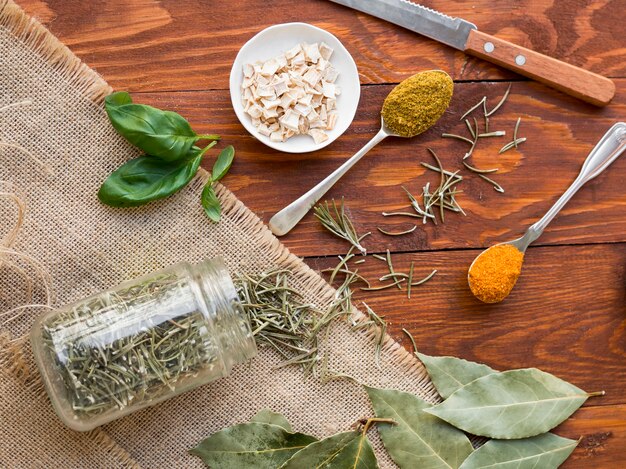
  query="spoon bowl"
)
[
  {"x": 282, "y": 222},
  {"x": 607, "y": 150}
]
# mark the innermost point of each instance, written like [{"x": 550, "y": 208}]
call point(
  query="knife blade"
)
[{"x": 463, "y": 35}]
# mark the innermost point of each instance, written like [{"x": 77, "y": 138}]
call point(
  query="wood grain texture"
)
[
  {"x": 559, "y": 138},
  {"x": 575, "y": 81},
  {"x": 152, "y": 45},
  {"x": 566, "y": 315}
]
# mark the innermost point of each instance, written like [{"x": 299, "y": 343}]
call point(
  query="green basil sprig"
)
[
  {"x": 164, "y": 134},
  {"x": 171, "y": 159},
  {"x": 210, "y": 202}
]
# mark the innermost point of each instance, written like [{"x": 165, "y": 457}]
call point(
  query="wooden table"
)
[{"x": 567, "y": 314}]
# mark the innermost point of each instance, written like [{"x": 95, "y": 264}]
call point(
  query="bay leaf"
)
[
  {"x": 547, "y": 451},
  {"x": 250, "y": 445},
  {"x": 418, "y": 439},
  {"x": 450, "y": 373},
  {"x": 272, "y": 418},
  {"x": 511, "y": 404},
  {"x": 349, "y": 450}
]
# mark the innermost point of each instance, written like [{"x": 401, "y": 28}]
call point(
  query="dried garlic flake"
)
[{"x": 293, "y": 93}]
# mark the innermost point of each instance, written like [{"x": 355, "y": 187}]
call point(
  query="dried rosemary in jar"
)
[
  {"x": 414, "y": 105},
  {"x": 141, "y": 342}
]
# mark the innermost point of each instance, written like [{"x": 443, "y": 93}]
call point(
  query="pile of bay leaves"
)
[{"x": 516, "y": 409}]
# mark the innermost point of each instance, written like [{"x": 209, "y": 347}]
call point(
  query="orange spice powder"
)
[{"x": 494, "y": 273}]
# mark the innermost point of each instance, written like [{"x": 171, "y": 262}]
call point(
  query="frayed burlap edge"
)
[{"x": 91, "y": 85}]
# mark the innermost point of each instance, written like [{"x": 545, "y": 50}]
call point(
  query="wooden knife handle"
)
[{"x": 575, "y": 81}]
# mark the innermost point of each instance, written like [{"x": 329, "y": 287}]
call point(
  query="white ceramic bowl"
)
[{"x": 277, "y": 39}]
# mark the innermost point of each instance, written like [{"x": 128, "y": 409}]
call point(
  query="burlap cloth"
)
[{"x": 87, "y": 247}]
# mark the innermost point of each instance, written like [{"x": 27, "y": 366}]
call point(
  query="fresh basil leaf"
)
[
  {"x": 163, "y": 134},
  {"x": 417, "y": 439},
  {"x": 450, "y": 373},
  {"x": 145, "y": 179},
  {"x": 222, "y": 163},
  {"x": 250, "y": 446},
  {"x": 210, "y": 202},
  {"x": 118, "y": 99},
  {"x": 273, "y": 418},
  {"x": 342, "y": 451},
  {"x": 547, "y": 451},
  {"x": 511, "y": 404}
]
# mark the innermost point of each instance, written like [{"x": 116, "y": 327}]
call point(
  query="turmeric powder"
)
[{"x": 493, "y": 274}]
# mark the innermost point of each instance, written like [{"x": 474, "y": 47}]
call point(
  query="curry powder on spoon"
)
[
  {"x": 414, "y": 105},
  {"x": 493, "y": 274}
]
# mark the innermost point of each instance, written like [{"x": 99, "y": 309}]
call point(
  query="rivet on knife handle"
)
[{"x": 575, "y": 81}]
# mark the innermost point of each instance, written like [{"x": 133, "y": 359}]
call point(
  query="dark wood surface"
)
[{"x": 567, "y": 315}]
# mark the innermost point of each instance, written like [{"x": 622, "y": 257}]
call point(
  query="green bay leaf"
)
[
  {"x": 349, "y": 450},
  {"x": 547, "y": 451},
  {"x": 250, "y": 446},
  {"x": 511, "y": 404},
  {"x": 418, "y": 439},
  {"x": 449, "y": 374},
  {"x": 273, "y": 418}
]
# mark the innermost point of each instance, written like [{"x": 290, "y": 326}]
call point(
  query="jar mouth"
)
[{"x": 224, "y": 311}]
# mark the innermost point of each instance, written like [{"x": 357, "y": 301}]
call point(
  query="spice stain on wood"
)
[{"x": 594, "y": 442}]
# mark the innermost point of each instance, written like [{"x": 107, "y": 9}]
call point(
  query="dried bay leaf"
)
[
  {"x": 511, "y": 404},
  {"x": 349, "y": 450},
  {"x": 250, "y": 445},
  {"x": 547, "y": 451},
  {"x": 418, "y": 439},
  {"x": 449, "y": 374},
  {"x": 272, "y": 418}
]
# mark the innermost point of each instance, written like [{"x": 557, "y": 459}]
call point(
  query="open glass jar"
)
[{"x": 141, "y": 342}]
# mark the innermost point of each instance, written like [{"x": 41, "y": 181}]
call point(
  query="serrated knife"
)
[{"x": 463, "y": 35}]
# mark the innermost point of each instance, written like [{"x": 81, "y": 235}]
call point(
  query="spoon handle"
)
[
  {"x": 607, "y": 150},
  {"x": 288, "y": 217}
]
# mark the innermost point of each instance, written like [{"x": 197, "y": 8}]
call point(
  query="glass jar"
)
[{"x": 141, "y": 342}]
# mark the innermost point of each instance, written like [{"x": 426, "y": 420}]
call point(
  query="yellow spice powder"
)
[
  {"x": 417, "y": 103},
  {"x": 494, "y": 273}
]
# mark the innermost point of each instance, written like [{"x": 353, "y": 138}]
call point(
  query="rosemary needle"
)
[
  {"x": 497, "y": 133},
  {"x": 410, "y": 279},
  {"x": 360, "y": 261},
  {"x": 519, "y": 119},
  {"x": 390, "y": 265},
  {"x": 469, "y": 127},
  {"x": 384, "y": 287},
  {"x": 425, "y": 279},
  {"x": 412, "y": 339},
  {"x": 496, "y": 186},
  {"x": 506, "y": 95},
  {"x": 458, "y": 137},
  {"x": 512, "y": 144},
  {"x": 479, "y": 171},
  {"x": 398, "y": 233},
  {"x": 482, "y": 101}
]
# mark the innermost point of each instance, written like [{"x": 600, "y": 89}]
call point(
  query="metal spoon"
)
[
  {"x": 287, "y": 218},
  {"x": 607, "y": 150}
]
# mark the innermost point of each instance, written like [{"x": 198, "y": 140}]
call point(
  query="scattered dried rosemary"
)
[
  {"x": 336, "y": 220},
  {"x": 443, "y": 197},
  {"x": 282, "y": 320}
]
